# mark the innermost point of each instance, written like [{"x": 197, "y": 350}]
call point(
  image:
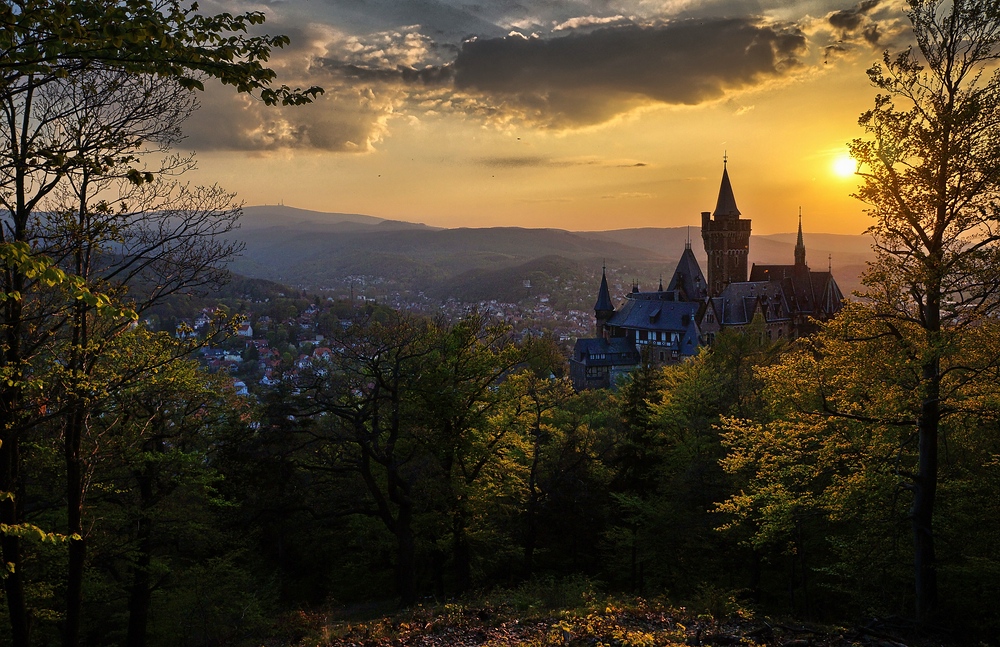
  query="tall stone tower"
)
[{"x": 726, "y": 238}]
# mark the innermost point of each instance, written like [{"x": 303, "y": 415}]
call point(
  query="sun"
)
[{"x": 844, "y": 165}]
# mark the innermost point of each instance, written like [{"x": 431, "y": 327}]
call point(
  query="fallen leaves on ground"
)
[{"x": 638, "y": 624}]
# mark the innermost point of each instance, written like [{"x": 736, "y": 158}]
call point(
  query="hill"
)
[{"x": 317, "y": 250}]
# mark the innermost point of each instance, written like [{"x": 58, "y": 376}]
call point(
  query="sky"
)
[{"x": 573, "y": 114}]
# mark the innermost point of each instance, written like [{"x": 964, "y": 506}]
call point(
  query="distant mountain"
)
[
  {"x": 847, "y": 255},
  {"x": 272, "y": 216},
  {"x": 329, "y": 250},
  {"x": 319, "y": 250}
]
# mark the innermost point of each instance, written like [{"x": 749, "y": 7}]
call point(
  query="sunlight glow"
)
[{"x": 844, "y": 165}]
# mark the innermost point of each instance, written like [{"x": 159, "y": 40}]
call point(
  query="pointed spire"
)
[
  {"x": 687, "y": 243},
  {"x": 726, "y": 204},
  {"x": 660, "y": 289},
  {"x": 800, "y": 247},
  {"x": 604, "y": 295}
]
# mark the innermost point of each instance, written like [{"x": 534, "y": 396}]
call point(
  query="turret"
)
[{"x": 603, "y": 309}]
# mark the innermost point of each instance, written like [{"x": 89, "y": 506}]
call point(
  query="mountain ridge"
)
[{"x": 327, "y": 250}]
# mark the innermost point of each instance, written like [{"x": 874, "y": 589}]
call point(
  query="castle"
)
[{"x": 671, "y": 324}]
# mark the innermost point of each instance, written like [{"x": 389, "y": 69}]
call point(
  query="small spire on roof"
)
[
  {"x": 661, "y": 283},
  {"x": 800, "y": 247},
  {"x": 604, "y": 304}
]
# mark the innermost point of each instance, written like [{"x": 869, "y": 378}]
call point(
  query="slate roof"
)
[
  {"x": 604, "y": 295},
  {"x": 605, "y": 352},
  {"x": 740, "y": 301},
  {"x": 688, "y": 278},
  {"x": 808, "y": 292},
  {"x": 726, "y": 204},
  {"x": 654, "y": 311}
]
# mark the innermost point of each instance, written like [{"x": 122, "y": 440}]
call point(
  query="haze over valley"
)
[{"x": 393, "y": 260}]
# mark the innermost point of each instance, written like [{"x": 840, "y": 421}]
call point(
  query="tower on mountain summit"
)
[{"x": 727, "y": 239}]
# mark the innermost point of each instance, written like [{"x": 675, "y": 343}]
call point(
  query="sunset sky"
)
[{"x": 576, "y": 114}]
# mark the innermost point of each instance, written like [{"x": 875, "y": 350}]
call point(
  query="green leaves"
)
[
  {"x": 19, "y": 258},
  {"x": 163, "y": 38}
]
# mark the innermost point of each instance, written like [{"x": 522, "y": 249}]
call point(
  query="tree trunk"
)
[
  {"x": 11, "y": 411},
  {"x": 534, "y": 498},
  {"x": 139, "y": 596},
  {"x": 460, "y": 551},
  {"x": 10, "y": 513},
  {"x": 924, "y": 492},
  {"x": 74, "y": 513},
  {"x": 406, "y": 560}
]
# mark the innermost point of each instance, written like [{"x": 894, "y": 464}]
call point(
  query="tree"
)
[
  {"x": 366, "y": 390},
  {"x": 134, "y": 243},
  {"x": 51, "y": 146},
  {"x": 457, "y": 392},
  {"x": 931, "y": 177},
  {"x": 149, "y": 458},
  {"x": 42, "y": 40}
]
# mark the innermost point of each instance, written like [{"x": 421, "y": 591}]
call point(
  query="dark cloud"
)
[
  {"x": 848, "y": 20},
  {"x": 586, "y": 78},
  {"x": 587, "y": 72},
  {"x": 860, "y": 24},
  {"x": 872, "y": 34},
  {"x": 525, "y": 161},
  {"x": 345, "y": 119},
  {"x": 529, "y": 161},
  {"x": 430, "y": 75},
  {"x": 533, "y": 161}
]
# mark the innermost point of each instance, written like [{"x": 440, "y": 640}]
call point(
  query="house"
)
[{"x": 668, "y": 325}]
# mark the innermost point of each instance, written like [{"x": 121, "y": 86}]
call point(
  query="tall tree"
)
[
  {"x": 46, "y": 48},
  {"x": 457, "y": 393},
  {"x": 931, "y": 177},
  {"x": 366, "y": 388}
]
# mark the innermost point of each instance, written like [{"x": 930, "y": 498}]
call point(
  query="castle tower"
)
[
  {"x": 603, "y": 309},
  {"x": 726, "y": 238},
  {"x": 800, "y": 247}
]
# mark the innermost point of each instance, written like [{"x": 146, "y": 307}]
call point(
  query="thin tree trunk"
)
[
  {"x": 74, "y": 512},
  {"x": 406, "y": 559},
  {"x": 534, "y": 497},
  {"x": 11, "y": 406},
  {"x": 924, "y": 493},
  {"x": 460, "y": 551},
  {"x": 10, "y": 513},
  {"x": 140, "y": 592}
]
